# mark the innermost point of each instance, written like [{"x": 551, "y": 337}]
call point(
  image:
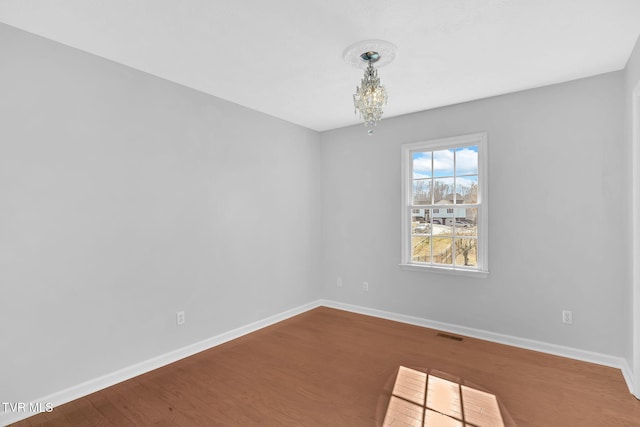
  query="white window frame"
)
[{"x": 478, "y": 139}]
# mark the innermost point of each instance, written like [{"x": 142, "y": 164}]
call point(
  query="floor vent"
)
[{"x": 448, "y": 336}]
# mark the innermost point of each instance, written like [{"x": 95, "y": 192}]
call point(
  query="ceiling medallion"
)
[{"x": 370, "y": 96}]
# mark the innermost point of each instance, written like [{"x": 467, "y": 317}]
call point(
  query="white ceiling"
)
[{"x": 284, "y": 57}]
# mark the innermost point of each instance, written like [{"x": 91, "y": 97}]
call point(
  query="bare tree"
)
[
  {"x": 440, "y": 190},
  {"x": 464, "y": 247}
]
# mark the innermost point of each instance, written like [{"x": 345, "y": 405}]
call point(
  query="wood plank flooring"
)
[{"x": 328, "y": 367}]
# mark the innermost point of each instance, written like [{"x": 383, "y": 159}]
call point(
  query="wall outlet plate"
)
[{"x": 180, "y": 318}]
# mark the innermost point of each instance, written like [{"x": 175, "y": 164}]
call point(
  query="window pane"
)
[
  {"x": 466, "y": 251},
  {"x": 442, "y": 250},
  {"x": 467, "y": 189},
  {"x": 422, "y": 192},
  {"x": 443, "y": 191},
  {"x": 438, "y": 228},
  {"x": 419, "y": 215},
  {"x": 467, "y": 160},
  {"x": 466, "y": 222},
  {"x": 420, "y": 249},
  {"x": 443, "y": 163},
  {"x": 421, "y": 165},
  {"x": 420, "y": 228}
]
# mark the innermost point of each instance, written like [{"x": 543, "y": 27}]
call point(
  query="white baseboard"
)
[
  {"x": 91, "y": 386},
  {"x": 558, "y": 350},
  {"x": 627, "y": 373}
]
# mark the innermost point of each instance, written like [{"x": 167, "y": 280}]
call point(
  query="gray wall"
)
[
  {"x": 632, "y": 72},
  {"x": 125, "y": 198},
  {"x": 558, "y": 212},
  {"x": 632, "y": 78}
]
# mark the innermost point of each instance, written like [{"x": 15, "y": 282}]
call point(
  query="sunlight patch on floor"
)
[{"x": 421, "y": 399}]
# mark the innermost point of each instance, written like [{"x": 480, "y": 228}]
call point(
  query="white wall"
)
[
  {"x": 558, "y": 217},
  {"x": 124, "y": 198}
]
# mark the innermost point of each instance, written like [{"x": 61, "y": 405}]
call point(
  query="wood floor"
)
[{"x": 328, "y": 367}]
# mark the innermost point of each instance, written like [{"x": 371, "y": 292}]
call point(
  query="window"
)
[{"x": 447, "y": 179}]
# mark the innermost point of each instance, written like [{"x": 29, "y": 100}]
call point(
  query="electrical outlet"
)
[
  {"x": 180, "y": 318},
  {"x": 365, "y": 286},
  {"x": 339, "y": 282},
  {"x": 567, "y": 317}
]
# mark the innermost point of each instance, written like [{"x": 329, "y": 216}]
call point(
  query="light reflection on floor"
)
[{"x": 421, "y": 399}]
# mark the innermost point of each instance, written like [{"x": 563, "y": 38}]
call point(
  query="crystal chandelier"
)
[{"x": 370, "y": 96}]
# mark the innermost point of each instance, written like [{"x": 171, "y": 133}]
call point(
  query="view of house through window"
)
[{"x": 443, "y": 205}]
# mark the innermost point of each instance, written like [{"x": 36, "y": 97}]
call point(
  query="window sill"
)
[{"x": 445, "y": 270}]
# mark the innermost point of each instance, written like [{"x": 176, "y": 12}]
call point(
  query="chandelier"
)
[{"x": 370, "y": 96}]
